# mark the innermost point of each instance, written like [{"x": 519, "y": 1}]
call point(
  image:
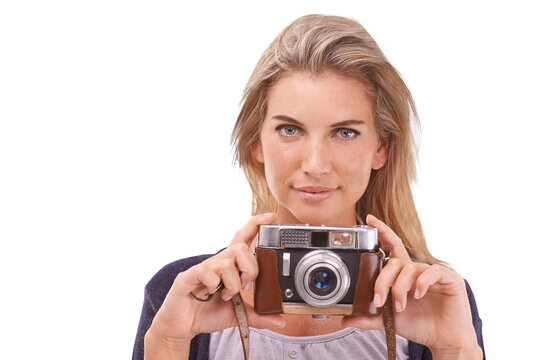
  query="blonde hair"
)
[{"x": 316, "y": 43}]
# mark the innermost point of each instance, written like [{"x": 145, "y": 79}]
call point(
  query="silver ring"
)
[{"x": 209, "y": 296}]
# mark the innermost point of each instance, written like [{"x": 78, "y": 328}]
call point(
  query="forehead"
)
[{"x": 328, "y": 94}]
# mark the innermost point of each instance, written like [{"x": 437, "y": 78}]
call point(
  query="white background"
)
[{"x": 115, "y": 119}]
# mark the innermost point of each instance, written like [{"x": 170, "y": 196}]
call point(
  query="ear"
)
[
  {"x": 380, "y": 156},
  {"x": 257, "y": 153}
]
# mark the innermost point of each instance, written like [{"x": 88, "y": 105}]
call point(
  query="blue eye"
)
[
  {"x": 287, "y": 130},
  {"x": 347, "y": 133}
]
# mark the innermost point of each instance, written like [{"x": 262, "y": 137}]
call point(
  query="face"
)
[{"x": 318, "y": 145}]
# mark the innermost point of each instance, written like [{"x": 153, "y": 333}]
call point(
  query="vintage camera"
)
[{"x": 317, "y": 270}]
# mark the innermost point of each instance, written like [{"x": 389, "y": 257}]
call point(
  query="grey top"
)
[{"x": 350, "y": 343}]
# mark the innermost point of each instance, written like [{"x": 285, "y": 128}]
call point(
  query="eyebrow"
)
[{"x": 338, "y": 124}]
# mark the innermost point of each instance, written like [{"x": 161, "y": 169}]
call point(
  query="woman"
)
[{"x": 325, "y": 136}]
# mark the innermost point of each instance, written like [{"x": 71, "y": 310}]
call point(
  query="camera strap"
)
[
  {"x": 241, "y": 315},
  {"x": 389, "y": 328},
  {"x": 388, "y": 316},
  {"x": 243, "y": 326}
]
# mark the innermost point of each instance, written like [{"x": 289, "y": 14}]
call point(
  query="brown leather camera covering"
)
[
  {"x": 364, "y": 292},
  {"x": 269, "y": 300}
]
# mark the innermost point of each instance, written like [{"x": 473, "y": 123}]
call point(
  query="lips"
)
[{"x": 315, "y": 193}]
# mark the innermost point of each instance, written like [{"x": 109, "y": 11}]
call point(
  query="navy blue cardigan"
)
[{"x": 159, "y": 285}]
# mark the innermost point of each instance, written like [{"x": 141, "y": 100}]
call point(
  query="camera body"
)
[{"x": 317, "y": 270}]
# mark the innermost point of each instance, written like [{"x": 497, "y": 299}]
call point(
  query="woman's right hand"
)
[{"x": 181, "y": 316}]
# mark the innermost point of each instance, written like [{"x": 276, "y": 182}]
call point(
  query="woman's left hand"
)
[{"x": 431, "y": 305}]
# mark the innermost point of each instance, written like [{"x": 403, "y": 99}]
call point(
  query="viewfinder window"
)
[
  {"x": 341, "y": 239},
  {"x": 319, "y": 239}
]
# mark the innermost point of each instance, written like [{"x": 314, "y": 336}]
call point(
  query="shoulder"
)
[
  {"x": 472, "y": 300},
  {"x": 169, "y": 271},
  {"x": 477, "y": 321},
  {"x": 158, "y": 287}
]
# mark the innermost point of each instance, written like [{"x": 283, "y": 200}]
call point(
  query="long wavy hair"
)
[{"x": 315, "y": 43}]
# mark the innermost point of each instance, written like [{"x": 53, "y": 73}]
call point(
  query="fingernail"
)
[
  {"x": 227, "y": 298},
  {"x": 247, "y": 286},
  {"x": 417, "y": 294},
  {"x": 377, "y": 300},
  {"x": 397, "y": 304}
]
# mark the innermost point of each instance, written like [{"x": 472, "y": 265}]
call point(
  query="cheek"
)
[
  {"x": 356, "y": 173},
  {"x": 278, "y": 166}
]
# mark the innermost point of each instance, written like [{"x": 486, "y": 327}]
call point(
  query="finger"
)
[
  {"x": 387, "y": 237},
  {"x": 386, "y": 279},
  {"x": 264, "y": 321},
  {"x": 248, "y": 232},
  {"x": 246, "y": 263},
  {"x": 197, "y": 279},
  {"x": 210, "y": 280},
  {"x": 405, "y": 282},
  {"x": 231, "y": 281},
  {"x": 364, "y": 322},
  {"x": 438, "y": 273}
]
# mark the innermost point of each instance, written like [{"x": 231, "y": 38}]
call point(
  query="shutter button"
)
[{"x": 293, "y": 353}]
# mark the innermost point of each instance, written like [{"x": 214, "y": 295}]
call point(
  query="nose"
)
[{"x": 317, "y": 160}]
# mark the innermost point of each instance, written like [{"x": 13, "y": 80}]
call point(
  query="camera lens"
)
[
  {"x": 321, "y": 278},
  {"x": 322, "y": 281}
]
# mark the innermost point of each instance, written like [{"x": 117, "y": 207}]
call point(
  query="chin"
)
[{"x": 319, "y": 218}]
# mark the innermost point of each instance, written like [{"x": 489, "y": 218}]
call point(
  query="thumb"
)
[
  {"x": 363, "y": 322},
  {"x": 248, "y": 232},
  {"x": 264, "y": 321}
]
